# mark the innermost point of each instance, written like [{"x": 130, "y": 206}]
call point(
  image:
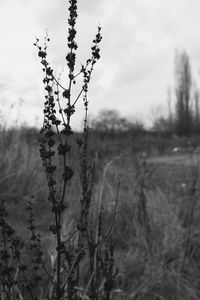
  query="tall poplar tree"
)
[{"x": 183, "y": 82}]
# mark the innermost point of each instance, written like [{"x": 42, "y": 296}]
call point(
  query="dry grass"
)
[{"x": 151, "y": 255}]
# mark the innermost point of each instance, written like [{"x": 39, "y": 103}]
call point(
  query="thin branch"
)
[
  {"x": 58, "y": 83},
  {"x": 78, "y": 96}
]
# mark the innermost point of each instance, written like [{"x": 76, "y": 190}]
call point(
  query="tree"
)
[
  {"x": 170, "y": 115},
  {"x": 183, "y": 83},
  {"x": 110, "y": 121},
  {"x": 161, "y": 125},
  {"x": 196, "y": 112}
]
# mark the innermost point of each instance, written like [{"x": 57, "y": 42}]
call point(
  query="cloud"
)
[{"x": 137, "y": 50}]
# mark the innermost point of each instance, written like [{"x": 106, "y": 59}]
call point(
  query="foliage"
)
[
  {"x": 155, "y": 250},
  {"x": 183, "y": 89},
  {"x": 109, "y": 121}
]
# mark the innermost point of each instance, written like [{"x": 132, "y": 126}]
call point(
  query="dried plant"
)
[{"x": 25, "y": 272}]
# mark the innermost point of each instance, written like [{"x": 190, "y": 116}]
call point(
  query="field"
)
[{"x": 155, "y": 232}]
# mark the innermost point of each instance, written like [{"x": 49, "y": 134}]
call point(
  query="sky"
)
[{"x": 136, "y": 68}]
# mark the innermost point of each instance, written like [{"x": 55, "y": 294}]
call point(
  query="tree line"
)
[{"x": 183, "y": 119}]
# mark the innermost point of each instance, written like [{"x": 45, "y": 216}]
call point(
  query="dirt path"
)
[
  {"x": 175, "y": 171},
  {"x": 180, "y": 159}
]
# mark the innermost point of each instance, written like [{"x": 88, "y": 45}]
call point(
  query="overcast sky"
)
[{"x": 137, "y": 51}]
